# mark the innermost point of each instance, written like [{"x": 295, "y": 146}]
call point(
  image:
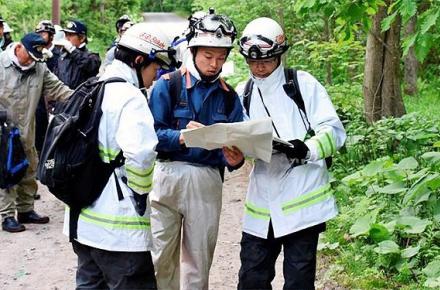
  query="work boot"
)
[
  {"x": 10, "y": 224},
  {"x": 31, "y": 217}
]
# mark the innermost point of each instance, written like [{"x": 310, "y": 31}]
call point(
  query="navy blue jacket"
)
[
  {"x": 75, "y": 68},
  {"x": 205, "y": 104}
]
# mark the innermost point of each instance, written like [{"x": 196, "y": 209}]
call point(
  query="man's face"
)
[
  {"x": 1, "y": 29},
  {"x": 210, "y": 60},
  {"x": 149, "y": 74},
  {"x": 262, "y": 68},
  {"x": 75, "y": 39},
  {"x": 47, "y": 37},
  {"x": 23, "y": 56}
]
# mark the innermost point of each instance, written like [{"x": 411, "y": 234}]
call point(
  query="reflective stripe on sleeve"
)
[
  {"x": 114, "y": 222},
  {"x": 326, "y": 144},
  {"x": 257, "y": 212},
  {"x": 140, "y": 180},
  {"x": 308, "y": 199},
  {"x": 107, "y": 154}
]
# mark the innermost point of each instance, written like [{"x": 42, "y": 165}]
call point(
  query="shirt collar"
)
[
  {"x": 119, "y": 69},
  {"x": 274, "y": 78}
]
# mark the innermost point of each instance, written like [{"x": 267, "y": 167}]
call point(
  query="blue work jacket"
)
[{"x": 199, "y": 101}]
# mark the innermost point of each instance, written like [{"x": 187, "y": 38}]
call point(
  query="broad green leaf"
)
[
  {"x": 352, "y": 178},
  {"x": 428, "y": 19},
  {"x": 387, "y": 247},
  {"x": 361, "y": 225},
  {"x": 420, "y": 187},
  {"x": 410, "y": 252},
  {"x": 393, "y": 188},
  {"x": 408, "y": 8},
  {"x": 412, "y": 224},
  {"x": 432, "y": 269},
  {"x": 377, "y": 166},
  {"x": 378, "y": 233},
  {"x": 436, "y": 144},
  {"x": 408, "y": 163},
  {"x": 434, "y": 182},
  {"x": 432, "y": 282},
  {"x": 432, "y": 157}
]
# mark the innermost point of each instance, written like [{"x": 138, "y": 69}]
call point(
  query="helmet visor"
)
[
  {"x": 214, "y": 22},
  {"x": 258, "y": 47},
  {"x": 166, "y": 58}
]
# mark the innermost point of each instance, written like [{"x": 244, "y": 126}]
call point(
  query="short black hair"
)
[{"x": 128, "y": 56}]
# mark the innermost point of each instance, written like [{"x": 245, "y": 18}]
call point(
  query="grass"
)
[{"x": 427, "y": 100}]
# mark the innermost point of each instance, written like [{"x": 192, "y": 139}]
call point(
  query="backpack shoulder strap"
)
[
  {"x": 292, "y": 88},
  {"x": 175, "y": 79},
  {"x": 229, "y": 95},
  {"x": 247, "y": 95}
]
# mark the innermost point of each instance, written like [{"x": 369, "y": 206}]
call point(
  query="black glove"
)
[
  {"x": 298, "y": 151},
  {"x": 141, "y": 202}
]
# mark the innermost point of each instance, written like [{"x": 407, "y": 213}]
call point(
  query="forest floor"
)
[{"x": 42, "y": 258}]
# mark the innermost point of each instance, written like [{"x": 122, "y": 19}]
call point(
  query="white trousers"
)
[{"x": 185, "y": 212}]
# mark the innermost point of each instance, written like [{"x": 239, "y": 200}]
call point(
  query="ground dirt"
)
[{"x": 42, "y": 258}]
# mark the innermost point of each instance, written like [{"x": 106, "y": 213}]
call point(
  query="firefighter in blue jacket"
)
[{"x": 187, "y": 184}]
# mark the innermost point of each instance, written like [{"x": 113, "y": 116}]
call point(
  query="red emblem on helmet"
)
[{"x": 280, "y": 39}]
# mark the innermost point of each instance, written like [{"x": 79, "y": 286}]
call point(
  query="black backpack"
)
[
  {"x": 291, "y": 87},
  {"x": 13, "y": 161},
  {"x": 70, "y": 165}
]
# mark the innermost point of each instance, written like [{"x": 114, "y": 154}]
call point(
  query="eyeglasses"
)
[{"x": 261, "y": 62}]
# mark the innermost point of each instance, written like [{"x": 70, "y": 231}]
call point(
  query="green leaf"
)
[
  {"x": 393, "y": 188},
  {"x": 377, "y": 166},
  {"x": 432, "y": 269},
  {"x": 408, "y": 163},
  {"x": 408, "y": 8},
  {"x": 410, "y": 252},
  {"x": 436, "y": 144},
  {"x": 378, "y": 233},
  {"x": 419, "y": 187},
  {"x": 412, "y": 224},
  {"x": 428, "y": 19},
  {"x": 361, "y": 225},
  {"x": 432, "y": 282},
  {"x": 387, "y": 247},
  {"x": 431, "y": 157},
  {"x": 408, "y": 42},
  {"x": 386, "y": 23},
  {"x": 424, "y": 43}
]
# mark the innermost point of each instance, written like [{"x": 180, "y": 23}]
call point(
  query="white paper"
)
[{"x": 253, "y": 138}]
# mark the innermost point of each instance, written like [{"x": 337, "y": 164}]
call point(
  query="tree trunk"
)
[
  {"x": 381, "y": 75},
  {"x": 392, "y": 102},
  {"x": 410, "y": 61}
]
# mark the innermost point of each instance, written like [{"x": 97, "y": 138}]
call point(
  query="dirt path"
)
[{"x": 41, "y": 257}]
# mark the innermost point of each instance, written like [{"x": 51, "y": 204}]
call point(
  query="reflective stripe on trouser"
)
[
  {"x": 186, "y": 199},
  {"x": 21, "y": 196}
]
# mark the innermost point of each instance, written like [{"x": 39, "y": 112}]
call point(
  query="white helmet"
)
[
  {"x": 151, "y": 42},
  {"x": 6, "y": 28},
  {"x": 263, "y": 38},
  {"x": 213, "y": 30}
]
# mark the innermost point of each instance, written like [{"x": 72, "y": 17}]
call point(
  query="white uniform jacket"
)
[
  {"x": 300, "y": 198},
  {"x": 126, "y": 124}
]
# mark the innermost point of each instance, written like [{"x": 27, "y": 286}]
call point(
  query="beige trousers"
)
[{"x": 185, "y": 213}]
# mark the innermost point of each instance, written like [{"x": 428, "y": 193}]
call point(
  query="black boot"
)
[
  {"x": 10, "y": 224},
  {"x": 31, "y": 217}
]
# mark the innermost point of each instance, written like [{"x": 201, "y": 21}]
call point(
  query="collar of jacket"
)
[
  {"x": 7, "y": 61},
  {"x": 119, "y": 69},
  {"x": 272, "y": 81},
  {"x": 192, "y": 78}
]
